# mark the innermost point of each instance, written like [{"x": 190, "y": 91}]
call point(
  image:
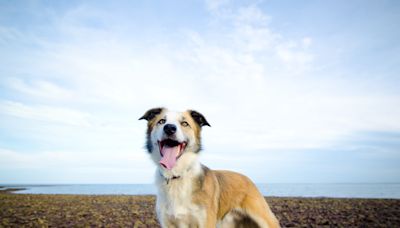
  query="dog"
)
[{"x": 189, "y": 193}]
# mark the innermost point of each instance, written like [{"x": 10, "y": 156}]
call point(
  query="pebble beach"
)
[{"x": 36, "y": 210}]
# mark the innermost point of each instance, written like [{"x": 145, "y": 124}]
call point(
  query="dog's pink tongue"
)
[{"x": 169, "y": 156}]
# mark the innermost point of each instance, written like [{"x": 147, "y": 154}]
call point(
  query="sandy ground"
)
[{"x": 138, "y": 211}]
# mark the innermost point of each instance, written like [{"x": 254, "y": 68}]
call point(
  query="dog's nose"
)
[{"x": 169, "y": 129}]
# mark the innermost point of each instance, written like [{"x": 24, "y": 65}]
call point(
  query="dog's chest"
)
[{"x": 174, "y": 204}]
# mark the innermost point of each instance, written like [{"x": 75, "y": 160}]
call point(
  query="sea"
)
[{"x": 336, "y": 190}]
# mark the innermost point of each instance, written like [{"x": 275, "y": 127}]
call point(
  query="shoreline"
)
[
  {"x": 14, "y": 190},
  {"x": 7, "y": 190},
  {"x": 139, "y": 211},
  {"x": 328, "y": 190}
]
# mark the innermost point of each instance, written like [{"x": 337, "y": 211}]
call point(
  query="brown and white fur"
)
[{"x": 190, "y": 194}]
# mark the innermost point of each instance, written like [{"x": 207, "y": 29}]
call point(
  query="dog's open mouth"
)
[{"x": 170, "y": 151}]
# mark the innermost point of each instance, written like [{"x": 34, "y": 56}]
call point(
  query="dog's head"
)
[{"x": 173, "y": 138}]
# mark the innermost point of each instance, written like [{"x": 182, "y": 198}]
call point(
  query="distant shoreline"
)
[
  {"x": 361, "y": 191},
  {"x": 14, "y": 191},
  {"x": 137, "y": 211},
  {"x": 10, "y": 190}
]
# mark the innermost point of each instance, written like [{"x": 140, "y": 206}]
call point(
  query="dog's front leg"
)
[
  {"x": 168, "y": 222},
  {"x": 211, "y": 220}
]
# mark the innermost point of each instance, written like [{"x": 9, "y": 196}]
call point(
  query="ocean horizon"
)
[{"x": 334, "y": 190}]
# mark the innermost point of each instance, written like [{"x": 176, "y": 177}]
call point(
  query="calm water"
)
[{"x": 304, "y": 190}]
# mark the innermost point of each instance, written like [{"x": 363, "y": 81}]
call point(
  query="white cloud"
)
[
  {"x": 294, "y": 58},
  {"x": 46, "y": 113},
  {"x": 76, "y": 167},
  {"x": 307, "y": 41},
  {"x": 41, "y": 89},
  {"x": 73, "y": 159},
  {"x": 216, "y": 4},
  {"x": 251, "y": 15}
]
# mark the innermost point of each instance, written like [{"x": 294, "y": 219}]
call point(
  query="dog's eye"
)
[
  {"x": 162, "y": 121},
  {"x": 185, "y": 124}
]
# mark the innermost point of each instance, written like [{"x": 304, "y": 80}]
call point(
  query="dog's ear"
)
[
  {"x": 150, "y": 114},
  {"x": 199, "y": 118}
]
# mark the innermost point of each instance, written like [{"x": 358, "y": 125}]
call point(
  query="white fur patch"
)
[{"x": 174, "y": 200}]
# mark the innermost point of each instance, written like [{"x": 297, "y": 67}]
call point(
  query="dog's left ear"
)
[
  {"x": 199, "y": 118},
  {"x": 150, "y": 114}
]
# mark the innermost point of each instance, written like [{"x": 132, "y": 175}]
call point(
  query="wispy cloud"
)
[
  {"x": 67, "y": 159},
  {"x": 46, "y": 113},
  {"x": 91, "y": 167},
  {"x": 40, "y": 89}
]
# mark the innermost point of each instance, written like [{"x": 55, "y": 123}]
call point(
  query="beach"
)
[{"x": 36, "y": 210}]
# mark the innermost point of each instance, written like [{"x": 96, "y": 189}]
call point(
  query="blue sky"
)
[{"x": 295, "y": 91}]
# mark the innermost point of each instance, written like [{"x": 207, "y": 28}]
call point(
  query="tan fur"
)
[
  {"x": 224, "y": 192},
  {"x": 193, "y": 126},
  {"x": 198, "y": 196}
]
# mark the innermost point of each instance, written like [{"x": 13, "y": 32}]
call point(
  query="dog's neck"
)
[
  {"x": 168, "y": 179},
  {"x": 189, "y": 172}
]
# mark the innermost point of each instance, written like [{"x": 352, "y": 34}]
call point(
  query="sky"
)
[{"x": 295, "y": 91}]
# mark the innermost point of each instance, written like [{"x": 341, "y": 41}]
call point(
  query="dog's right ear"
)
[{"x": 149, "y": 115}]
